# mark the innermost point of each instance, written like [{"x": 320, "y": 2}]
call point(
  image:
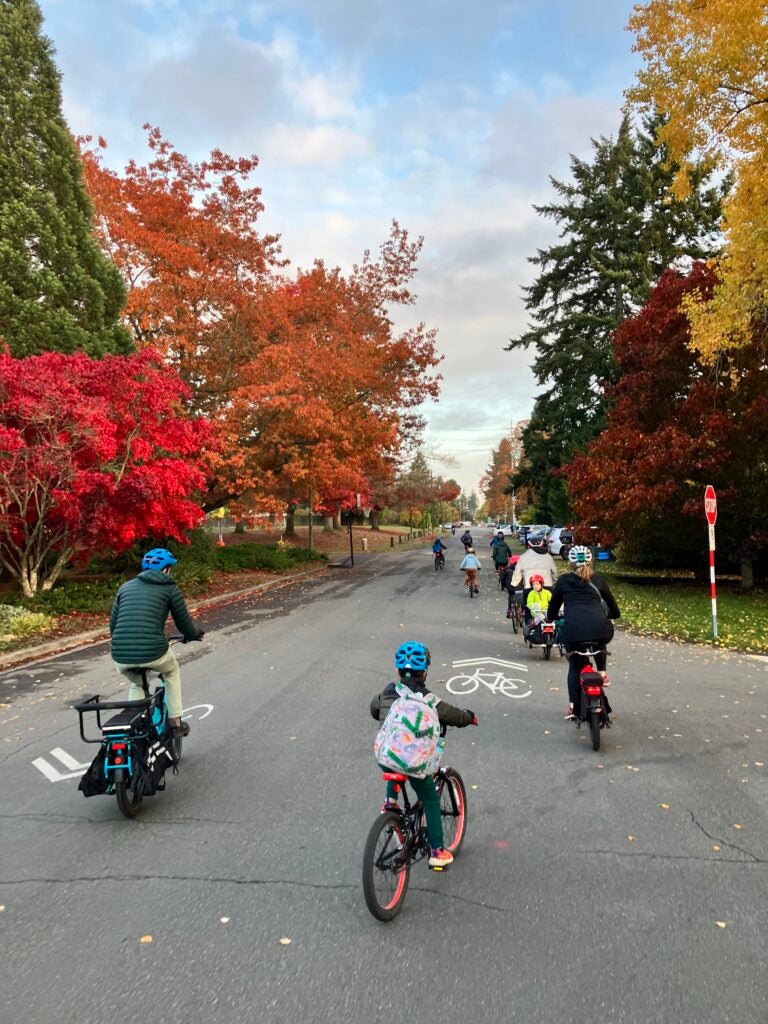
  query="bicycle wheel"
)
[
  {"x": 515, "y": 626},
  {"x": 459, "y": 685},
  {"x": 547, "y": 651},
  {"x": 453, "y": 809},
  {"x": 471, "y": 590},
  {"x": 386, "y": 868},
  {"x": 594, "y": 729},
  {"x": 129, "y": 793}
]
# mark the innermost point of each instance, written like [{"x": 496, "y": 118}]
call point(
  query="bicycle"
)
[
  {"x": 439, "y": 560},
  {"x": 496, "y": 682},
  {"x": 516, "y": 611},
  {"x": 594, "y": 707},
  {"x": 398, "y": 838},
  {"x": 137, "y": 745},
  {"x": 471, "y": 581}
]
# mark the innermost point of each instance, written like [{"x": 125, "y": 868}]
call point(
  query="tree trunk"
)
[
  {"x": 747, "y": 574},
  {"x": 375, "y": 518},
  {"x": 328, "y": 524},
  {"x": 290, "y": 528},
  {"x": 240, "y": 526},
  {"x": 337, "y": 521}
]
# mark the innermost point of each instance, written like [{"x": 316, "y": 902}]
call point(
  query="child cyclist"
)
[
  {"x": 437, "y": 550},
  {"x": 470, "y": 564},
  {"x": 538, "y": 601},
  {"x": 412, "y": 662}
]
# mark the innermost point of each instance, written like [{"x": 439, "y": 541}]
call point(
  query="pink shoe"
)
[
  {"x": 440, "y": 859},
  {"x": 570, "y": 717}
]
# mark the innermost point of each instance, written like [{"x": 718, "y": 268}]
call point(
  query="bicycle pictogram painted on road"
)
[{"x": 488, "y": 672}]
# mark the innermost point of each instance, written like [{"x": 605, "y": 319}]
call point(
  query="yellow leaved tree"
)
[{"x": 705, "y": 67}]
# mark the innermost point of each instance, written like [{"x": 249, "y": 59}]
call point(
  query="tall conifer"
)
[
  {"x": 620, "y": 228},
  {"x": 57, "y": 290}
]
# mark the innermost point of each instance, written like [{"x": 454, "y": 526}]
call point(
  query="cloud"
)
[{"x": 320, "y": 146}]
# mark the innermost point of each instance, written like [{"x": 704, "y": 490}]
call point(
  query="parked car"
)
[
  {"x": 536, "y": 531},
  {"x": 560, "y": 541},
  {"x": 505, "y": 528}
]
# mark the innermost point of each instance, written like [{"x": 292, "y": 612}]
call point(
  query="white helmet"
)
[{"x": 579, "y": 555}]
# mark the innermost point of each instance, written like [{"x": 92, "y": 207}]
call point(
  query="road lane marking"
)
[{"x": 497, "y": 682}]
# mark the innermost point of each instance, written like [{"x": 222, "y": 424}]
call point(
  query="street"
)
[{"x": 623, "y": 885}]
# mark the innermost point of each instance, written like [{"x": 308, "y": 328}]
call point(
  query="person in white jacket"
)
[{"x": 536, "y": 561}]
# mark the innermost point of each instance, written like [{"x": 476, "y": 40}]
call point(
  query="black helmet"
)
[{"x": 539, "y": 545}]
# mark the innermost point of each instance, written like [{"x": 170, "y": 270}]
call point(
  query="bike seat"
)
[
  {"x": 119, "y": 722},
  {"x": 394, "y": 777}
]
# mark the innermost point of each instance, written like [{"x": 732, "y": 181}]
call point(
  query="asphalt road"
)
[{"x": 625, "y": 885}]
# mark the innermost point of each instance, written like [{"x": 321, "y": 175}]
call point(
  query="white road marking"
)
[{"x": 491, "y": 661}]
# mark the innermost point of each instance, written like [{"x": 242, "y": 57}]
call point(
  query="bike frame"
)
[{"x": 416, "y": 845}]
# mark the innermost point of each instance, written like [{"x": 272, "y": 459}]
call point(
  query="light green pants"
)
[{"x": 169, "y": 666}]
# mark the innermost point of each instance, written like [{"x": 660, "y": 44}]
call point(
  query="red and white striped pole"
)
[{"x": 710, "y": 510}]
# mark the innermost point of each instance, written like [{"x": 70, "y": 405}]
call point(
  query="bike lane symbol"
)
[
  {"x": 73, "y": 768},
  {"x": 487, "y": 672}
]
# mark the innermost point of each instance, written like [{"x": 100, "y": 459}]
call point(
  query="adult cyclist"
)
[
  {"x": 581, "y": 593},
  {"x": 466, "y": 540},
  {"x": 536, "y": 561},
  {"x": 137, "y": 628}
]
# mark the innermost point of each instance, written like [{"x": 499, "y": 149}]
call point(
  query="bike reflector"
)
[{"x": 592, "y": 690}]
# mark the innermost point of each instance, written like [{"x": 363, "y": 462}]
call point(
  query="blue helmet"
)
[
  {"x": 412, "y": 655},
  {"x": 157, "y": 558}
]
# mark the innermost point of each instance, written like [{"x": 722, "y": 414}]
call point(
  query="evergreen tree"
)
[
  {"x": 620, "y": 228},
  {"x": 57, "y": 290}
]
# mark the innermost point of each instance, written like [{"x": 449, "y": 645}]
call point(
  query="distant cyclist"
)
[
  {"x": 470, "y": 564},
  {"x": 137, "y": 628},
  {"x": 466, "y": 540},
  {"x": 500, "y": 551},
  {"x": 437, "y": 550},
  {"x": 581, "y": 593}
]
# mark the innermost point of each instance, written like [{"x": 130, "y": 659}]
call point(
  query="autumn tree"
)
[
  {"x": 94, "y": 454},
  {"x": 677, "y": 425},
  {"x": 495, "y": 481},
  {"x": 57, "y": 289},
  {"x": 704, "y": 66},
  {"x": 304, "y": 377},
  {"x": 620, "y": 226}
]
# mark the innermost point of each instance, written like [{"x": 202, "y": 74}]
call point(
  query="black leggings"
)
[{"x": 576, "y": 663}]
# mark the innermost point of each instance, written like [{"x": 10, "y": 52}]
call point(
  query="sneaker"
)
[
  {"x": 570, "y": 717},
  {"x": 440, "y": 859},
  {"x": 390, "y": 805}
]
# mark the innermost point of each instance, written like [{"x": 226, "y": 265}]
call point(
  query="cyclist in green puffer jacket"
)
[{"x": 137, "y": 625}]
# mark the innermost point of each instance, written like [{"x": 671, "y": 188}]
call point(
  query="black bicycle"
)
[
  {"x": 138, "y": 745},
  {"x": 439, "y": 560},
  {"x": 398, "y": 838}
]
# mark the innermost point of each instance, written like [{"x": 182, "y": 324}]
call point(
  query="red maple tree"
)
[{"x": 94, "y": 454}]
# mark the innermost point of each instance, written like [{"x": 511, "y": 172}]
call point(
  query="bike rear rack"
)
[{"x": 96, "y": 704}]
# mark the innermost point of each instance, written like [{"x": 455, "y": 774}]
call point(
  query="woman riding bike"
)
[{"x": 582, "y": 594}]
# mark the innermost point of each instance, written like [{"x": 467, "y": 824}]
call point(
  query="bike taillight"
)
[{"x": 593, "y": 690}]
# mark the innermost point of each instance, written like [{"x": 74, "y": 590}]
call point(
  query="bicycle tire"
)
[
  {"x": 547, "y": 651},
  {"x": 129, "y": 805},
  {"x": 453, "y": 835},
  {"x": 385, "y": 880},
  {"x": 594, "y": 729},
  {"x": 513, "y": 617}
]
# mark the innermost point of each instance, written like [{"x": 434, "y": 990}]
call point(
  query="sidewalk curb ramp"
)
[{"x": 93, "y": 637}]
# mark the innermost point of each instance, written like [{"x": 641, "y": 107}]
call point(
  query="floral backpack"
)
[{"x": 407, "y": 741}]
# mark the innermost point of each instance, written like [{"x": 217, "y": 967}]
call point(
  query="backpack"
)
[{"x": 407, "y": 741}]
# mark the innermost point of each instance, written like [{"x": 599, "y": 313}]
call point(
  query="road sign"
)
[
  {"x": 710, "y": 504},
  {"x": 710, "y": 511}
]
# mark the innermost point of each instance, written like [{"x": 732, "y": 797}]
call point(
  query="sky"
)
[{"x": 445, "y": 115}]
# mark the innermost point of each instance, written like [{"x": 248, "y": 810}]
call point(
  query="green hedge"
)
[{"x": 238, "y": 557}]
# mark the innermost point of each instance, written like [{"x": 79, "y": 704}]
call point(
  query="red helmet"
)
[{"x": 536, "y": 579}]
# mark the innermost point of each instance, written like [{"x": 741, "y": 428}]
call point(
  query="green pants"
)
[{"x": 426, "y": 791}]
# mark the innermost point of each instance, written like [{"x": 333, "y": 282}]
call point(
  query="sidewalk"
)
[{"x": 92, "y": 637}]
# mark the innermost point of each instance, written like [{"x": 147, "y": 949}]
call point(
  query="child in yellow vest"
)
[{"x": 538, "y": 602}]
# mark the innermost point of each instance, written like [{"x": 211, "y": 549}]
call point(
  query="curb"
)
[{"x": 93, "y": 637}]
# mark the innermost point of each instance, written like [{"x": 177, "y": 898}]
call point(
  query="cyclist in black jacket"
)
[{"x": 583, "y": 594}]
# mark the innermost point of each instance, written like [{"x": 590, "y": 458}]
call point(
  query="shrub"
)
[
  {"x": 17, "y": 622},
  {"x": 74, "y": 596},
  {"x": 262, "y": 556}
]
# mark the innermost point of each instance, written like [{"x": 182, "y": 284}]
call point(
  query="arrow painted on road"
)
[{"x": 490, "y": 661}]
